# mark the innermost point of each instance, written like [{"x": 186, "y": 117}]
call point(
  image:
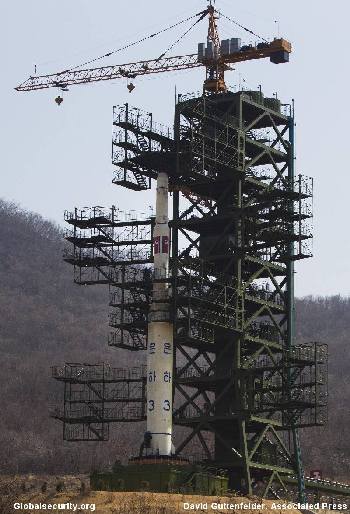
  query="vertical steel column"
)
[
  {"x": 246, "y": 477},
  {"x": 291, "y": 311}
]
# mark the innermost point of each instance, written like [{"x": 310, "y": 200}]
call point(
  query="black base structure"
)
[{"x": 241, "y": 218}]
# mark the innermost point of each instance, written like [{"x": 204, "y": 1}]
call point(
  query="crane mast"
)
[{"x": 214, "y": 72}]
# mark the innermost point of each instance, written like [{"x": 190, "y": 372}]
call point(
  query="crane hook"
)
[{"x": 58, "y": 100}]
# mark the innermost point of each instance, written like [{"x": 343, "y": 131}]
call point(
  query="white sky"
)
[{"x": 55, "y": 158}]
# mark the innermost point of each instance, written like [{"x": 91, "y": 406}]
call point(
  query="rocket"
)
[{"x": 160, "y": 335}]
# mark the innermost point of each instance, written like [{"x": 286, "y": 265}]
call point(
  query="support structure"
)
[
  {"x": 242, "y": 387},
  {"x": 247, "y": 221},
  {"x": 96, "y": 395}
]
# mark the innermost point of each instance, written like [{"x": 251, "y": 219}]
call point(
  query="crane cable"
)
[
  {"x": 201, "y": 16},
  {"x": 129, "y": 45},
  {"x": 242, "y": 26}
]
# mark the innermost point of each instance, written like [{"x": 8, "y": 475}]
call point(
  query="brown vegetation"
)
[{"x": 28, "y": 489}]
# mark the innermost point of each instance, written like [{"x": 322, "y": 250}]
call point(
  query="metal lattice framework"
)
[
  {"x": 96, "y": 395},
  {"x": 246, "y": 218},
  {"x": 241, "y": 218}
]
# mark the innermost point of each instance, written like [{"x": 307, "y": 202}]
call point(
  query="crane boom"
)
[{"x": 130, "y": 70}]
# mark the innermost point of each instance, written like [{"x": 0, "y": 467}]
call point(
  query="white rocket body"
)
[{"x": 160, "y": 334}]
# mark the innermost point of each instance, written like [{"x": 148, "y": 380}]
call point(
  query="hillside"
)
[
  {"x": 47, "y": 320},
  {"x": 328, "y": 320}
]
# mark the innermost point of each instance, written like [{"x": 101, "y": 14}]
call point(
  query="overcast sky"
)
[{"x": 54, "y": 158}]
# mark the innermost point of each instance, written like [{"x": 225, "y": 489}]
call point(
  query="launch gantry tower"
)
[{"x": 240, "y": 219}]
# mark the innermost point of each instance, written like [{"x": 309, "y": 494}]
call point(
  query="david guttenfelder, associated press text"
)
[{"x": 261, "y": 506}]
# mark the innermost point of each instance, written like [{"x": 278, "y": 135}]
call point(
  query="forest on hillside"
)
[{"x": 47, "y": 320}]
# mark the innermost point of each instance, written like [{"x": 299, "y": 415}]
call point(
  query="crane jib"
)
[
  {"x": 65, "y": 78},
  {"x": 130, "y": 70}
]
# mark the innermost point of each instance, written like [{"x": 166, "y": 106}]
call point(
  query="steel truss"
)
[
  {"x": 240, "y": 220},
  {"x": 95, "y": 395}
]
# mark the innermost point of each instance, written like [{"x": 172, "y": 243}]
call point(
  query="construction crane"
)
[{"x": 216, "y": 57}]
